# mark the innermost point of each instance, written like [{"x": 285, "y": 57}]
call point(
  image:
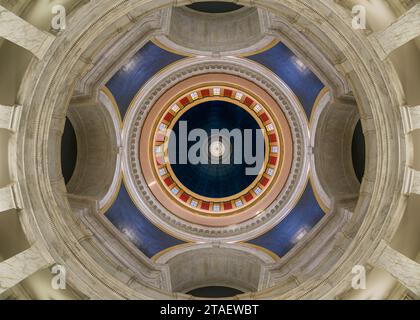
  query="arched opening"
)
[
  {"x": 91, "y": 128},
  {"x": 335, "y": 150},
  {"x": 358, "y": 151},
  {"x": 68, "y": 151},
  {"x": 215, "y": 292},
  {"x": 214, "y": 7}
]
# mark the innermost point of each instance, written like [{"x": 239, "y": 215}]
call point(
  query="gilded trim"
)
[
  {"x": 269, "y": 46},
  {"x": 268, "y": 147}
]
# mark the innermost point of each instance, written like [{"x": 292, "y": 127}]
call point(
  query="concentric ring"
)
[
  {"x": 187, "y": 204},
  {"x": 151, "y": 105},
  {"x": 218, "y": 109},
  {"x": 273, "y": 151}
]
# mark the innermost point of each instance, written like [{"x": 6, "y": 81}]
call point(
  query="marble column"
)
[
  {"x": 405, "y": 29},
  {"x": 411, "y": 118},
  {"x": 21, "y": 266},
  {"x": 405, "y": 270},
  {"x": 411, "y": 182},
  {"x": 9, "y": 116},
  {"x": 23, "y": 34},
  {"x": 9, "y": 198}
]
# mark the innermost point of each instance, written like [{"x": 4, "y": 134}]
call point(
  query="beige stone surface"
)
[
  {"x": 204, "y": 34},
  {"x": 24, "y": 34},
  {"x": 349, "y": 61},
  {"x": 21, "y": 266},
  {"x": 399, "y": 266},
  {"x": 405, "y": 29},
  {"x": 335, "y": 258},
  {"x": 239, "y": 266},
  {"x": 9, "y": 117},
  {"x": 9, "y": 198},
  {"x": 412, "y": 185},
  {"x": 411, "y": 118}
]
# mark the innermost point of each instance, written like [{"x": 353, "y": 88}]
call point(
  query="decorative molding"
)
[
  {"x": 120, "y": 251},
  {"x": 235, "y": 33},
  {"x": 103, "y": 63},
  {"x": 330, "y": 66},
  {"x": 240, "y": 264},
  {"x": 110, "y": 105},
  {"x": 324, "y": 99},
  {"x": 319, "y": 246},
  {"x": 277, "y": 163},
  {"x": 98, "y": 167},
  {"x": 332, "y": 140},
  {"x": 246, "y": 69}
]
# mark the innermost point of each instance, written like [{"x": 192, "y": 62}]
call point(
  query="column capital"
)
[
  {"x": 411, "y": 182},
  {"x": 9, "y": 117},
  {"x": 411, "y": 118}
]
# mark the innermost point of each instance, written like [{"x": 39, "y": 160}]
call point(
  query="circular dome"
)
[
  {"x": 184, "y": 134},
  {"x": 67, "y": 229},
  {"x": 181, "y": 190}
]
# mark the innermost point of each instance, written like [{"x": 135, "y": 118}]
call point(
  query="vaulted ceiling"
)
[{"x": 86, "y": 121}]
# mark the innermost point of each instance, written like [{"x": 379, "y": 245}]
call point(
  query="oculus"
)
[{"x": 229, "y": 118}]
